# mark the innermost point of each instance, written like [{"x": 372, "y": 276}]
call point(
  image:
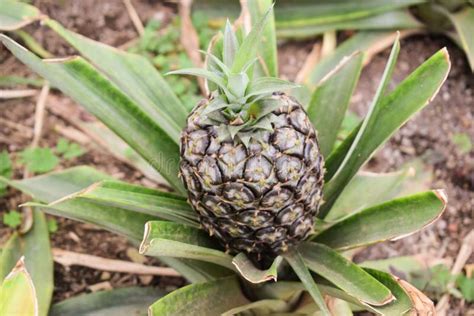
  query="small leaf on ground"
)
[
  {"x": 74, "y": 151},
  {"x": 39, "y": 160},
  {"x": 463, "y": 142},
  {"x": 68, "y": 150},
  {"x": 12, "y": 219},
  {"x": 62, "y": 146},
  {"x": 466, "y": 286}
]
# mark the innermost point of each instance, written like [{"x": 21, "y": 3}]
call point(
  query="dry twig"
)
[
  {"x": 39, "y": 115},
  {"x": 190, "y": 39},
  {"x": 12, "y": 94},
  {"x": 73, "y": 134},
  {"x": 27, "y": 221},
  {"x": 69, "y": 258},
  {"x": 137, "y": 23},
  {"x": 19, "y": 127}
]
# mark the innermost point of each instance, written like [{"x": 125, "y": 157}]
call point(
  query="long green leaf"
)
[
  {"x": 211, "y": 298},
  {"x": 168, "y": 239},
  {"x": 55, "y": 185},
  {"x": 140, "y": 199},
  {"x": 248, "y": 48},
  {"x": 328, "y": 11},
  {"x": 117, "y": 302},
  {"x": 267, "y": 47},
  {"x": 392, "y": 20},
  {"x": 11, "y": 253},
  {"x": 36, "y": 241},
  {"x": 387, "y": 221},
  {"x": 82, "y": 82},
  {"x": 36, "y": 249},
  {"x": 251, "y": 273},
  {"x": 382, "y": 187},
  {"x": 344, "y": 274},
  {"x": 230, "y": 44},
  {"x": 330, "y": 100},
  {"x": 15, "y": 15},
  {"x": 464, "y": 23},
  {"x": 383, "y": 120},
  {"x": 18, "y": 293},
  {"x": 297, "y": 264},
  {"x": 135, "y": 76}
]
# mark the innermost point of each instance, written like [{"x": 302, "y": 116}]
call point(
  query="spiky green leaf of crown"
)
[{"x": 241, "y": 105}]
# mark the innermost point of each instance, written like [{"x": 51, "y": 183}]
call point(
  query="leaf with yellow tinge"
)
[
  {"x": 40, "y": 267},
  {"x": 17, "y": 293}
]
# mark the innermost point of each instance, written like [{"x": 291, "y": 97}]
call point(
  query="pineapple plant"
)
[{"x": 265, "y": 210}]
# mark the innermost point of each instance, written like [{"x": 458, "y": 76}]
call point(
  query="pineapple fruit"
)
[{"x": 250, "y": 159}]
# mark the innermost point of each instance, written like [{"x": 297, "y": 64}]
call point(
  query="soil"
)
[{"x": 429, "y": 136}]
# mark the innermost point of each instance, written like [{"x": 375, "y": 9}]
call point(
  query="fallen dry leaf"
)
[{"x": 190, "y": 40}]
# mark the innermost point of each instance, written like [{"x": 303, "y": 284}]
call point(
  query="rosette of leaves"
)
[{"x": 314, "y": 275}]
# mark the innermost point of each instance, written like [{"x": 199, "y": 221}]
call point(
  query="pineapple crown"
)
[{"x": 241, "y": 104}]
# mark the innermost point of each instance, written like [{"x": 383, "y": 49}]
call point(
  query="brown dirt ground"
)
[{"x": 428, "y": 135}]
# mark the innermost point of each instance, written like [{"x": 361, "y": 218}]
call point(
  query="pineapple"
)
[{"x": 250, "y": 158}]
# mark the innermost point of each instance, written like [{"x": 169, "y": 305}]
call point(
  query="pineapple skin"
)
[{"x": 262, "y": 199}]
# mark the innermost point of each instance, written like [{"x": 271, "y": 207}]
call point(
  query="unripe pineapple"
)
[{"x": 249, "y": 156}]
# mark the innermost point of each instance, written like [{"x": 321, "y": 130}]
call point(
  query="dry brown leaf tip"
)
[{"x": 422, "y": 305}]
